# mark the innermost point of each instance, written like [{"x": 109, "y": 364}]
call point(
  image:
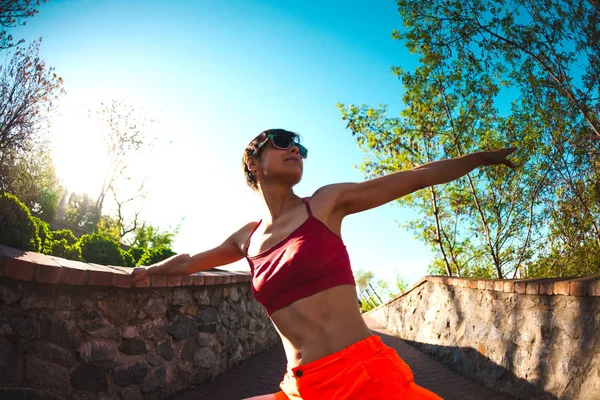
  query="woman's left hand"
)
[{"x": 495, "y": 157}]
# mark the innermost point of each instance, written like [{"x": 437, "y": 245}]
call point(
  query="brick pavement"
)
[{"x": 261, "y": 375}]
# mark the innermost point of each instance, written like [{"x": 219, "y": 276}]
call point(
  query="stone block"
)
[
  {"x": 509, "y": 287},
  {"x": 561, "y": 287},
  {"x": 72, "y": 276},
  {"x": 142, "y": 283},
  {"x": 45, "y": 374},
  {"x": 532, "y": 288},
  {"x": 133, "y": 347},
  {"x": 130, "y": 332},
  {"x": 481, "y": 284},
  {"x": 155, "y": 379},
  {"x": 158, "y": 281},
  {"x": 73, "y": 272},
  {"x": 20, "y": 269},
  {"x": 117, "y": 307},
  {"x": 578, "y": 288},
  {"x": 499, "y": 286},
  {"x": 122, "y": 280},
  {"x": 131, "y": 393},
  {"x": 489, "y": 285},
  {"x": 520, "y": 287},
  {"x": 48, "y": 274},
  {"x": 594, "y": 287},
  {"x": 187, "y": 280},
  {"x": 57, "y": 332},
  {"x": 205, "y": 358},
  {"x": 198, "y": 280},
  {"x": 96, "y": 351},
  {"x": 10, "y": 291},
  {"x": 99, "y": 278},
  {"x": 8, "y": 361},
  {"x": 173, "y": 281},
  {"x": 473, "y": 283},
  {"x": 546, "y": 288},
  {"x": 209, "y": 279},
  {"x": 226, "y": 279},
  {"x": 89, "y": 378},
  {"x": 17, "y": 393},
  {"x": 103, "y": 330},
  {"x": 183, "y": 328},
  {"x": 131, "y": 374},
  {"x": 155, "y": 306},
  {"x": 165, "y": 349},
  {"x": 53, "y": 353}
]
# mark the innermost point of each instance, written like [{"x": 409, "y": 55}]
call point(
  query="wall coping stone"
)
[
  {"x": 570, "y": 286},
  {"x": 29, "y": 266}
]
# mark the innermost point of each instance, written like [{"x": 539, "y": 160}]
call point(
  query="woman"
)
[{"x": 301, "y": 272}]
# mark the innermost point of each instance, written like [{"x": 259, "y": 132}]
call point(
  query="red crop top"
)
[{"x": 310, "y": 260}]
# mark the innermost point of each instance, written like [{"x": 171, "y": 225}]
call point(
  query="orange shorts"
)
[{"x": 364, "y": 370}]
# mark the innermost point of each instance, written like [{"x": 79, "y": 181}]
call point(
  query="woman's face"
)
[{"x": 279, "y": 165}]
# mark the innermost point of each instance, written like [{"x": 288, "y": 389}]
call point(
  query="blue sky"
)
[{"x": 216, "y": 73}]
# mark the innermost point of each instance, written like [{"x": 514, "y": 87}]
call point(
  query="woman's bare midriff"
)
[{"x": 320, "y": 325}]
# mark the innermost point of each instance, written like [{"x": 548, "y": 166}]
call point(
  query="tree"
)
[
  {"x": 27, "y": 89},
  {"x": 82, "y": 212},
  {"x": 124, "y": 136},
  {"x": 478, "y": 221},
  {"x": 13, "y": 13},
  {"x": 486, "y": 79},
  {"x": 374, "y": 292},
  {"x": 31, "y": 177},
  {"x": 149, "y": 236},
  {"x": 525, "y": 41}
]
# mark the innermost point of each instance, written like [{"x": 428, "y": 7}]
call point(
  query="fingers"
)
[{"x": 139, "y": 274}]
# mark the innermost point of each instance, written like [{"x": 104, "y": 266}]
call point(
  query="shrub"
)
[
  {"x": 99, "y": 249},
  {"x": 66, "y": 235},
  {"x": 127, "y": 258},
  {"x": 62, "y": 248},
  {"x": 156, "y": 254},
  {"x": 137, "y": 253},
  {"x": 45, "y": 235},
  {"x": 18, "y": 229}
]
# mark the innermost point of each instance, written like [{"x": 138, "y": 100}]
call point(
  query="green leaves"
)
[{"x": 495, "y": 75}]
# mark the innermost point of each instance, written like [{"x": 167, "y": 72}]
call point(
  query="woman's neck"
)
[{"x": 277, "y": 201}]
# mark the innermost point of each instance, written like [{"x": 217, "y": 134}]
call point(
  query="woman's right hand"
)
[{"x": 140, "y": 273}]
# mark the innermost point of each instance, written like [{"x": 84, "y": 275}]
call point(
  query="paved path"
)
[{"x": 261, "y": 374}]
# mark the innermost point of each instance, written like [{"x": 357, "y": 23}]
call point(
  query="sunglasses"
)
[{"x": 283, "y": 141}]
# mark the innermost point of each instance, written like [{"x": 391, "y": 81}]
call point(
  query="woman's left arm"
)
[{"x": 356, "y": 197}]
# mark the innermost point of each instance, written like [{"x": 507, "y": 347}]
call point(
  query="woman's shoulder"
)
[
  {"x": 241, "y": 236},
  {"x": 324, "y": 201}
]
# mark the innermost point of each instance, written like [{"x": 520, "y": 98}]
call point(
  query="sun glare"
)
[{"x": 78, "y": 148}]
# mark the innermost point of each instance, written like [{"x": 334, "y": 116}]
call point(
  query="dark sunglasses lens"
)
[
  {"x": 303, "y": 151},
  {"x": 282, "y": 141}
]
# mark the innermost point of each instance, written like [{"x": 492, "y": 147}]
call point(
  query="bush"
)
[
  {"x": 62, "y": 248},
  {"x": 127, "y": 258},
  {"x": 99, "y": 249},
  {"x": 64, "y": 234},
  {"x": 154, "y": 255},
  {"x": 137, "y": 253},
  {"x": 45, "y": 235},
  {"x": 18, "y": 229}
]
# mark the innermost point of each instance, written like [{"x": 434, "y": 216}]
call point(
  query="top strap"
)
[
  {"x": 249, "y": 237},
  {"x": 307, "y": 207}
]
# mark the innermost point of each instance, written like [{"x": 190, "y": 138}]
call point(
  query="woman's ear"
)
[{"x": 251, "y": 164}]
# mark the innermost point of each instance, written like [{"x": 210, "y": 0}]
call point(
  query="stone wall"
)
[
  {"x": 528, "y": 339},
  {"x": 70, "y": 330}
]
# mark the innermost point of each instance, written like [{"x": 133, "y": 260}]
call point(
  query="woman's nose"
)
[{"x": 294, "y": 149}]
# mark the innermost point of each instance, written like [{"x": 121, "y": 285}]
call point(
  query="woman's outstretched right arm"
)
[{"x": 184, "y": 264}]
